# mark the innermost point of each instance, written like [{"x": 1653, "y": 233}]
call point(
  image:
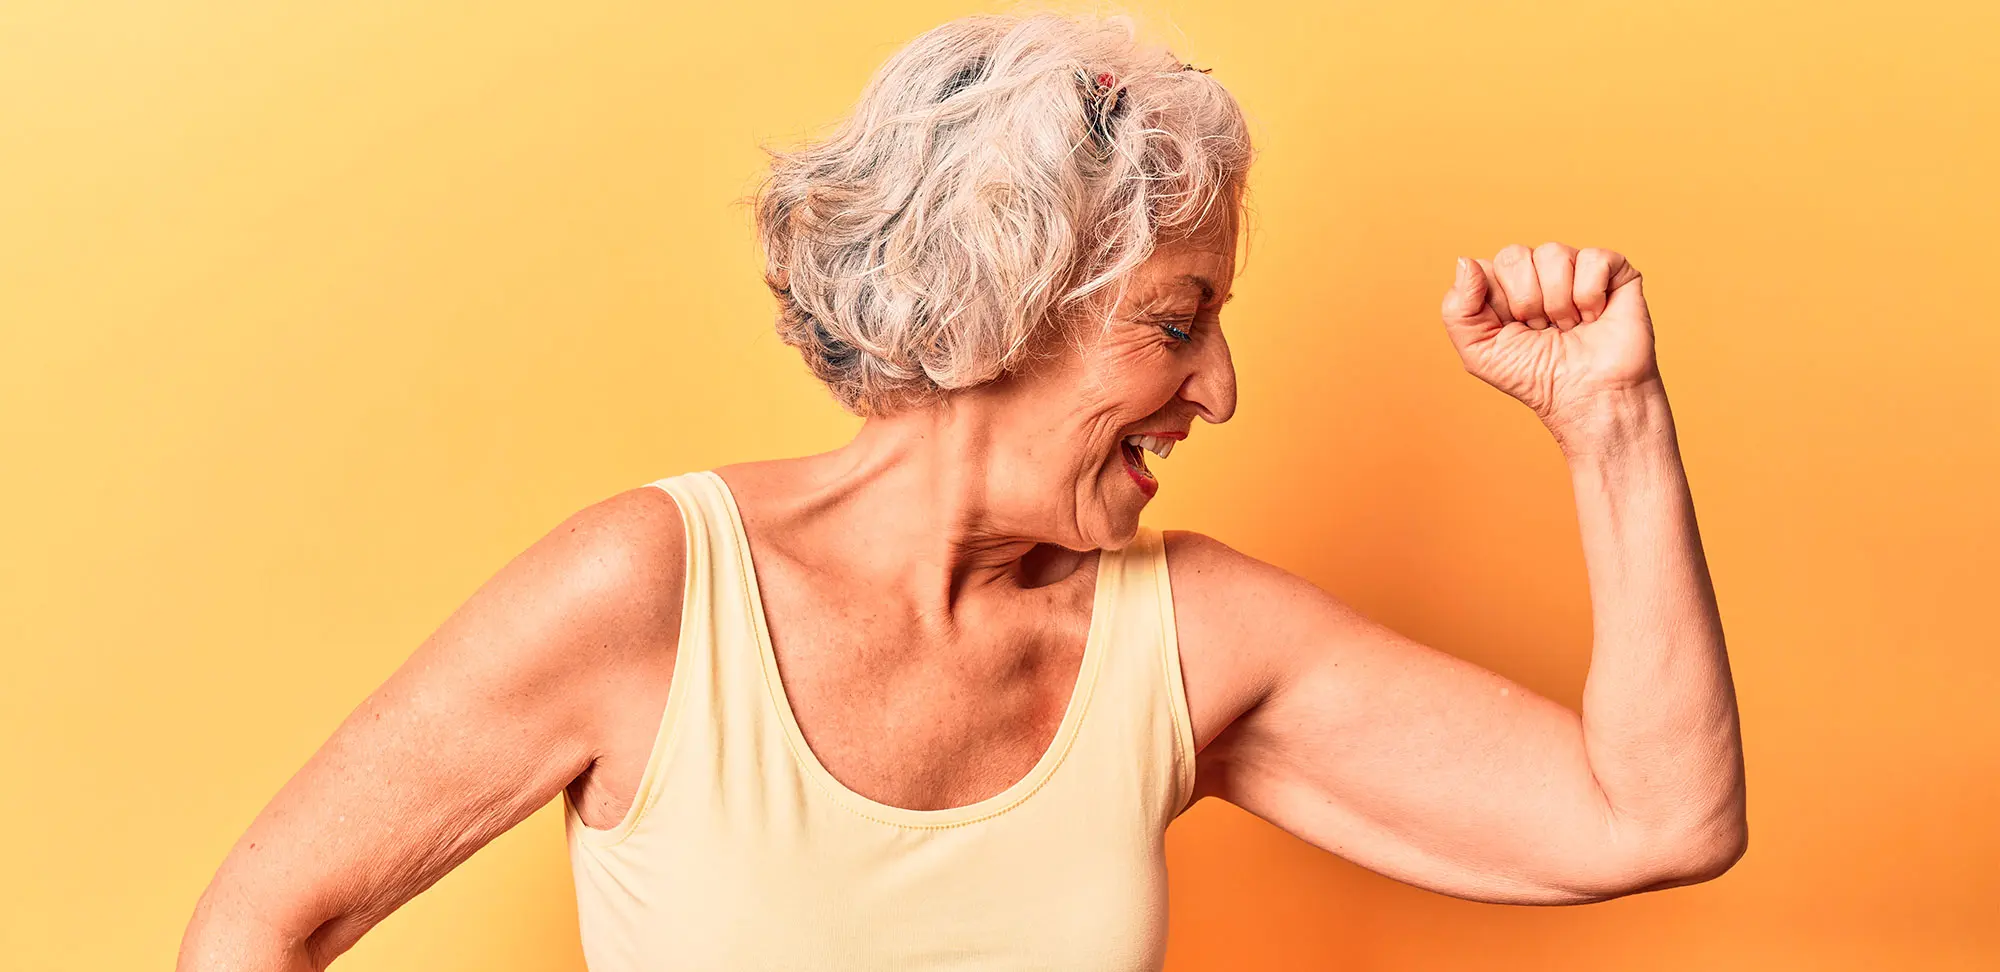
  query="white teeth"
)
[{"x": 1153, "y": 444}]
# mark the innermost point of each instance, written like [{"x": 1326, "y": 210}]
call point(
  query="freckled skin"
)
[{"x": 942, "y": 555}]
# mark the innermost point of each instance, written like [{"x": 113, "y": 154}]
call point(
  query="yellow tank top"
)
[{"x": 742, "y": 852}]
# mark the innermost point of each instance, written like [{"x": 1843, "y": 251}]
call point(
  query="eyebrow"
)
[{"x": 1207, "y": 287}]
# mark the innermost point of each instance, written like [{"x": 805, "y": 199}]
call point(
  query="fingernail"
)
[{"x": 1464, "y": 270}]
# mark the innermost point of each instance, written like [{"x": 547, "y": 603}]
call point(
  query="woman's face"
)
[{"x": 1089, "y": 423}]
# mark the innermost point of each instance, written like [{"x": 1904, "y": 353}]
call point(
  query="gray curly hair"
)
[{"x": 987, "y": 186}]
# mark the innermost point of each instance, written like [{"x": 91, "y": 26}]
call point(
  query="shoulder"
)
[
  {"x": 1216, "y": 584},
  {"x": 1200, "y": 555},
  {"x": 596, "y": 595},
  {"x": 615, "y": 567},
  {"x": 1245, "y": 627},
  {"x": 1272, "y": 628},
  {"x": 625, "y": 552}
]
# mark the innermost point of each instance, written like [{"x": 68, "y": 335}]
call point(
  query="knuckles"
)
[
  {"x": 1595, "y": 270},
  {"x": 1554, "y": 254},
  {"x": 1598, "y": 254}
]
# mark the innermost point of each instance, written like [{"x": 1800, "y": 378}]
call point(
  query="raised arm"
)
[
  {"x": 509, "y": 701},
  {"x": 1437, "y": 772}
]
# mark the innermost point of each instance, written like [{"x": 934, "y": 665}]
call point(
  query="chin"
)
[{"x": 1120, "y": 523}]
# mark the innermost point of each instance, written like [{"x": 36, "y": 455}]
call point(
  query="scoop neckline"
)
[{"x": 808, "y": 761}]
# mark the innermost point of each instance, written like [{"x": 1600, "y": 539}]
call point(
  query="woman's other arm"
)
[
  {"x": 494, "y": 714},
  {"x": 1440, "y": 773}
]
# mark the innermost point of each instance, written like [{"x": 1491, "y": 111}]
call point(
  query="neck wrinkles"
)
[{"x": 940, "y": 515}]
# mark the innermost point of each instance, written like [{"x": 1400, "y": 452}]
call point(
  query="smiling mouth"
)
[{"x": 1134, "y": 449}]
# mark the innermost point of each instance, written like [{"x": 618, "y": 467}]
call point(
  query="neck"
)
[{"x": 941, "y": 515}]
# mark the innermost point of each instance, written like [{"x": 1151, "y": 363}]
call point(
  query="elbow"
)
[
  {"x": 1719, "y": 851},
  {"x": 1713, "y": 841},
  {"x": 1661, "y": 859},
  {"x": 1689, "y": 855},
  {"x": 1711, "y": 852},
  {"x": 225, "y": 935}
]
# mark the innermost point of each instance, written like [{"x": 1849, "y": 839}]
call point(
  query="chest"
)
[{"x": 918, "y": 713}]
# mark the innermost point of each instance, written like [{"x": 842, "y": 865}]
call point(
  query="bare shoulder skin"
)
[{"x": 538, "y": 680}]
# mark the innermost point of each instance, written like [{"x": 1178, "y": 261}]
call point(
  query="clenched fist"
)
[{"x": 1556, "y": 327}]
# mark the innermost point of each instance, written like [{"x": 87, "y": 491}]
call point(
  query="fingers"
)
[
  {"x": 1516, "y": 267},
  {"x": 1555, "y": 269},
  {"x": 1552, "y": 285},
  {"x": 1593, "y": 278},
  {"x": 1599, "y": 274}
]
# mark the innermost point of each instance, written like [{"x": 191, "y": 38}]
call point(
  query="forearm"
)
[{"x": 1659, "y": 708}]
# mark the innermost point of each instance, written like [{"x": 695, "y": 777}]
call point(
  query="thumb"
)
[{"x": 1467, "y": 297}]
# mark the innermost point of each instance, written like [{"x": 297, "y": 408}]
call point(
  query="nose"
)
[{"x": 1211, "y": 388}]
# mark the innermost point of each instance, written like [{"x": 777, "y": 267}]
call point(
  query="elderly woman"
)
[{"x": 929, "y": 700}]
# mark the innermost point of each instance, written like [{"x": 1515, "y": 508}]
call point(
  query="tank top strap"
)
[
  {"x": 722, "y": 600},
  {"x": 711, "y": 674},
  {"x": 1142, "y": 712}
]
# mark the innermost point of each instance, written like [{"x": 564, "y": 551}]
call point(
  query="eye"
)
[{"x": 1177, "y": 333}]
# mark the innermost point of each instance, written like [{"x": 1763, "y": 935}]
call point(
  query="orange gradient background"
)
[{"x": 314, "y": 315}]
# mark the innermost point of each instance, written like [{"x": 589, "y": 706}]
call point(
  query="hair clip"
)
[
  {"x": 1101, "y": 93},
  {"x": 1102, "y": 98}
]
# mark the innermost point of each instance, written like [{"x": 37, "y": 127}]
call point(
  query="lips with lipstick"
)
[{"x": 1135, "y": 448}]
